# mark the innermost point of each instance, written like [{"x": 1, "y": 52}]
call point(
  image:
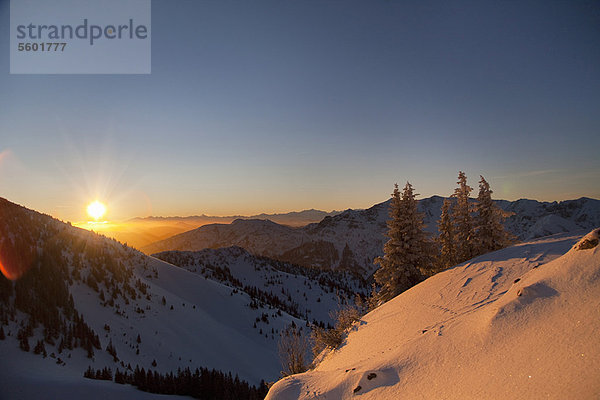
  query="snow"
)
[
  {"x": 313, "y": 299},
  {"x": 518, "y": 323},
  {"x": 28, "y": 376},
  {"x": 550, "y": 224},
  {"x": 208, "y": 327}
]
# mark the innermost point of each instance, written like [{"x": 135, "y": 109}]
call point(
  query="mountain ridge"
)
[
  {"x": 307, "y": 214},
  {"x": 352, "y": 239}
]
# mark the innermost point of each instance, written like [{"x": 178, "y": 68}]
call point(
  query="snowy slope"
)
[
  {"x": 519, "y": 323},
  {"x": 352, "y": 239},
  {"x": 209, "y": 326},
  {"x": 303, "y": 293},
  {"x": 27, "y": 376},
  {"x": 532, "y": 219}
]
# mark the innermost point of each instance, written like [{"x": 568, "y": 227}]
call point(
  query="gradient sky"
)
[{"x": 287, "y": 105}]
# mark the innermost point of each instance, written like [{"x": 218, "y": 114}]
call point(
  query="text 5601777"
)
[{"x": 43, "y": 46}]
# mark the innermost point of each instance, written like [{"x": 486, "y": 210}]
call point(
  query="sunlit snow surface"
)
[{"x": 520, "y": 323}]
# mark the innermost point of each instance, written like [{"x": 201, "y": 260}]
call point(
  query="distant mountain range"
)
[
  {"x": 139, "y": 232},
  {"x": 293, "y": 218},
  {"x": 352, "y": 239}
]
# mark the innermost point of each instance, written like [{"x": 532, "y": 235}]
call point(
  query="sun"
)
[{"x": 96, "y": 210}]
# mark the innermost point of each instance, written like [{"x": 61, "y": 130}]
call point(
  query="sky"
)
[{"x": 275, "y": 106}]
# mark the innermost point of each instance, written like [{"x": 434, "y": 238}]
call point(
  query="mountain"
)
[
  {"x": 296, "y": 218},
  {"x": 292, "y": 218},
  {"x": 532, "y": 219},
  {"x": 139, "y": 232},
  {"x": 351, "y": 240},
  {"x": 519, "y": 323},
  {"x": 78, "y": 300}
]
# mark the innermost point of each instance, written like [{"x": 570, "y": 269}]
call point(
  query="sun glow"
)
[{"x": 96, "y": 210}]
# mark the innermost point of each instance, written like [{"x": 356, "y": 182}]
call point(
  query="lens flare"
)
[
  {"x": 96, "y": 210},
  {"x": 12, "y": 275}
]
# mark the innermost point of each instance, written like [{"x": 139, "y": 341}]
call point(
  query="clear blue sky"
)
[{"x": 287, "y": 105}]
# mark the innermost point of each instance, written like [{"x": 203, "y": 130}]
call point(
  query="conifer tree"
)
[
  {"x": 119, "y": 377},
  {"x": 447, "y": 257},
  {"x": 490, "y": 234},
  {"x": 463, "y": 220},
  {"x": 407, "y": 254},
  {"x": 110, "y": 349},
  {"x": 89, "y": 373}
]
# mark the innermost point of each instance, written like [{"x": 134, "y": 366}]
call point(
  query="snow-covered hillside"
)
[
  {"x": 305, "y": 293},
  {"x": 28, "y": 376},
  {"x": 519, "y": 323},
  {"x": 533, "y": 219},
  {"x": 352, "y": 239}
]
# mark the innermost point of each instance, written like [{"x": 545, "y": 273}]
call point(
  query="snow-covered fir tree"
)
[
  {"x": 447, "y": 256},
  {"x": 407, "y": 255},
  {"x": 463, "y": 220},
  {"x": 490, "y": 234}
]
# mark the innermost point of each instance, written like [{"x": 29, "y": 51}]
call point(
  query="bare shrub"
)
[
  {"x": 292, "y": 351},
  {"x": 344, "y": 317}
]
